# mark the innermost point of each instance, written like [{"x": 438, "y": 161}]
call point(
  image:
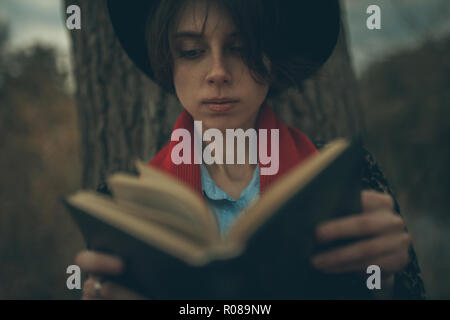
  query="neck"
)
[{"x": 233, "y": 171}]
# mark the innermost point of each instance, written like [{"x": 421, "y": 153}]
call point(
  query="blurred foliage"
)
[
  {"x": 407, "y": 109},
  {"x": 39, "y": 164}
]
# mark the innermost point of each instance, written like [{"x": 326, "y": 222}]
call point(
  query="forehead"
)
[{"x": 198, "y": 14}]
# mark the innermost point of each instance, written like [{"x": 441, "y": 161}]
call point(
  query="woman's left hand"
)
[{"x": 386, "y": 245}]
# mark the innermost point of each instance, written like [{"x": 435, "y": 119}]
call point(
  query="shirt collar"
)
[{"x": 214, "y": 192}]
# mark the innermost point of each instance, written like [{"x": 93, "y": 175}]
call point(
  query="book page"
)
[
  {"x": 167, "y": 196},
  {"x": 106, "y": 210},
  {"x": 186, "y": 227}
]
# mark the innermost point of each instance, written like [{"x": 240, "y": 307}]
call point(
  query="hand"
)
[
  {"x": 98, "y": 264},
  {"x": 386, "y": 245}
]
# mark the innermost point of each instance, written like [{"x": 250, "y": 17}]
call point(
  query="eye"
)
[{"x": 190, "y": 53}]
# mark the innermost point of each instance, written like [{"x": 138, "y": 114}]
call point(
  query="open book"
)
[{"x": 171, "y": 244}]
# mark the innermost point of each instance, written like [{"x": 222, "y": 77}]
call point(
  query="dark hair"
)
[{"x": 257, "y": 22}]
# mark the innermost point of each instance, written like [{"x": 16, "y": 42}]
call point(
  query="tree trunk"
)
[{"x": 124, "y": 116}]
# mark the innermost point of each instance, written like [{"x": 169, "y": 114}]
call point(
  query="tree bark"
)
[{"x": 124, "y": 116}]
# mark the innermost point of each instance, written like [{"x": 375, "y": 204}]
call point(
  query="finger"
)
[
  {"x": 114, "y": 291},
  {"x": 372, "y": 200},
  {"x": 389, "y": 263},
  {"x": 359, "y": 226},
  {"x": 361, "y": 250},
  {"x": 89, "y": 291},
  {"x": 392, "y": 262},
  {"x": 99, "y": 263}
]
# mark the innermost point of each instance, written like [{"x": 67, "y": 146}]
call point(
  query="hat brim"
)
[{"x": 309, "y": 29}]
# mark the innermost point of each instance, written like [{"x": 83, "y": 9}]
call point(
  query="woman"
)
[{"x": 223, "y": 59}]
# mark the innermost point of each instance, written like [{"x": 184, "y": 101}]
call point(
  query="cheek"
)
[
  {"x": 259, "y": 91},
  {"x": 185, "y": 91},
  {"x": 182, "y": 81},
  {"x": 252, "y": 85}
]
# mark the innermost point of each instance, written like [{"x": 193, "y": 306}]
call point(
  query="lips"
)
[
  {"x": 220, "y": 101},
  {"x": 220, "y": 105}
]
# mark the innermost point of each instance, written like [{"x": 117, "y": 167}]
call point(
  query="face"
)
[{"x": 209, "y": 66}]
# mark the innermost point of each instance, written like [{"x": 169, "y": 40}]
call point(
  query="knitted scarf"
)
[{"x": 294, "y": 147}]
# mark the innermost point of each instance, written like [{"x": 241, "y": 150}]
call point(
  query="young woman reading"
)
[{"x": 223, "y": 60}]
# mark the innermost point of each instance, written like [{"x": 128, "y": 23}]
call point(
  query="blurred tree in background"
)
[
  {"x": 407, "y": 109},
  {"x": 407, "y": 101},
  {"x": 39, "y": 136}
]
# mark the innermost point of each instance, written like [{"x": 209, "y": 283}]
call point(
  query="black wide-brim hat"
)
[{"x": 310, "y": 29}]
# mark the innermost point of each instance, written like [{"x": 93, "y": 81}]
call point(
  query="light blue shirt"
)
[{"x": 225, "y": 207}]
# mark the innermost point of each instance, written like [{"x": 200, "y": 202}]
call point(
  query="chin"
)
[{"x": 222, "y": 123}]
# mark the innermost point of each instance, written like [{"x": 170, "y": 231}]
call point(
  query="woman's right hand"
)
[{"x": 97, "y": 265}]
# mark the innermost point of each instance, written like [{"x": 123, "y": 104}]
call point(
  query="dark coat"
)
[{"x": 408, "y": 282}]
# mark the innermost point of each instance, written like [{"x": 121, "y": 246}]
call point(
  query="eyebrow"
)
[{"x": 198, "y": 35}]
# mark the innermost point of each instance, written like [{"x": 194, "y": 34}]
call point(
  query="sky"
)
[
  {"x": 404, "y": 24},
  {"x": 35, "y": 21}
]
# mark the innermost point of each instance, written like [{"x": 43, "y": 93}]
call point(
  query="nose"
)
[{"x": 219, "y": 73}]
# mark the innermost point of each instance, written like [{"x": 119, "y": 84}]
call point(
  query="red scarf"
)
[{"x": 294, "y": 148}]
